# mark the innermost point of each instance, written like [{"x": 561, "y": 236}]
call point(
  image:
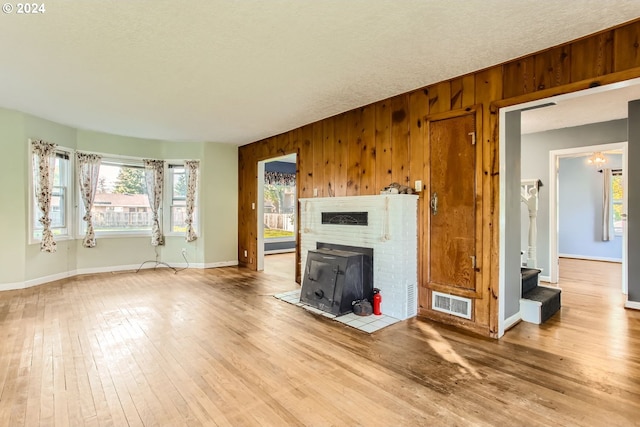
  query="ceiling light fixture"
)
[{"x": 597, "y": 159}]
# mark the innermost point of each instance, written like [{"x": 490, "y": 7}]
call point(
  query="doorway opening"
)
[
  {"x": 577, "y": 113},
  {"x": 277, "y": 216}
]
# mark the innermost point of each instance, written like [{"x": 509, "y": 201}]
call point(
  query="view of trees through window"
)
[
  {"x": 121, "y": 202},
  {"x": 279, "y": 210}
]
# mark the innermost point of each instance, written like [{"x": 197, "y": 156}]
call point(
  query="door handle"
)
[{"x": 434, "y": 203}]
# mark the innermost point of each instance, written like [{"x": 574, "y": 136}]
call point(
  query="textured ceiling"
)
[{"x": 238, "y": 71}]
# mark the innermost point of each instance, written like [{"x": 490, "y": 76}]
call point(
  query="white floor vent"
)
[{"x": 451, "y": 304}]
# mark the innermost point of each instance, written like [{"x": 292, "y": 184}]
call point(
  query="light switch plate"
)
[{"x": 418, "y": 186}]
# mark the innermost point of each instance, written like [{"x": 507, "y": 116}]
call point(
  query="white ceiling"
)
[
  {"x": 238, "y": 71},
  {"x": 589, "y": 106}
]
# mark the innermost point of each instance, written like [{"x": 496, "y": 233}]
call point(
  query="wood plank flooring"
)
[{"x": 214, "y": 348}]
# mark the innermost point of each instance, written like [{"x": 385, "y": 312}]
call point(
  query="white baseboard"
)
[
  {"x": 632, "y": 304},
  {"x": 11, "y": 286},
  {"x": 590, "y": 258},
  {"x": 279, "y": 251},
  {"x": 544, "y": 279},
  {"x": 97, "y": 270},
  {"x": 511, "y": 321}
]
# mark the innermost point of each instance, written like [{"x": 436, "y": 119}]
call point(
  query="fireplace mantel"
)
[{"x": 391, "y": 231}]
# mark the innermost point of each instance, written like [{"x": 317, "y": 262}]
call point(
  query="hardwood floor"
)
[{"x": 214, "y": 347}]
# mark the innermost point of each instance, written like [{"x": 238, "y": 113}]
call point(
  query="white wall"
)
[{"x": 580, "y": 190}]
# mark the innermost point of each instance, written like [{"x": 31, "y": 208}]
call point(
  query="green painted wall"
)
[
  {"x": 12, "y": 198},
  {"x": 24, "y": 263}
]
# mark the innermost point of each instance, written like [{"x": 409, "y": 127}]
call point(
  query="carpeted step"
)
[
  {"x": 529, "y": 279},
  {"x": 549, "y": 298}
]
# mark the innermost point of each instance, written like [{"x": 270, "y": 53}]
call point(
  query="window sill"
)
[
  {"x": 120, "y": 235},
  {"x": 56, "y": 238}
]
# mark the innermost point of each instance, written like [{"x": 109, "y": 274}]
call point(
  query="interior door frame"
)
[
  {"x": 260, "y": 211},
  {"x": 554, "y": 164}
]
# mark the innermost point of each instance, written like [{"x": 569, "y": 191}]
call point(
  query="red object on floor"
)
[{"x": 377, "y": 300}]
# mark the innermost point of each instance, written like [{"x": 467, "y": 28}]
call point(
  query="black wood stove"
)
[{"x": 337, "y": 275}]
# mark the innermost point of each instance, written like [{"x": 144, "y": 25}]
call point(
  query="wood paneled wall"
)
[{"x": 361, "y": 151}]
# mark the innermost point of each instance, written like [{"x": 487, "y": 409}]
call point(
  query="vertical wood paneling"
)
[
  {"x": 368, "y": 152},
  {"x": 468, "y": 90},
  {"x": 626, "y": 47},
  {"x": 318, "y": 158},
  {"x": 518, "y": 77},
  {"x": 552, "y": 68},
  {"x": 400, "y": 139},
  {"x": 440, "y": 97},
  {"x": 592, "y": 57},
  {"x": 329, "y": 149},
  {"x": 456, "y": 94},
  {"x": 305, "y": 174},
  {"x": 489, "y": 87},
  {"x": 383, "y": 144},
  {"x": 341, "y": 154},
  {"x": 418, "y": 169},
  {"x": 354, "y": 148}
]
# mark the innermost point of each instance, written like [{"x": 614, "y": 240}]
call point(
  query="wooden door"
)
[{"x": 452, "y": 227}]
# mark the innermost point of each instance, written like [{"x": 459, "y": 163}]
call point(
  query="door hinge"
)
[{"x": 473, "y": 138}]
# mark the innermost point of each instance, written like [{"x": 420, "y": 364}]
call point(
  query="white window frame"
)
[
  {"x": 120, "y": 161},
  {"x": 168, "y": 198},
  {"x": 69, "y": 201}
]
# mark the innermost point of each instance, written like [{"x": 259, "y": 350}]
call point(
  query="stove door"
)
[{"x": 319, "y": 283}]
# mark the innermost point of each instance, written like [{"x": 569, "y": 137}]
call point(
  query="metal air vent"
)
[{"x": 451, "y": 304}]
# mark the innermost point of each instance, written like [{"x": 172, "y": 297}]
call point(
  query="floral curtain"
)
[
  {"x": 191, "y": 168},
  {"x": 88, "y": 170},
  {"x": 44, "y": 164},
  {"x": 154, "y": 177},
  {"x": 279, "y": 178}
]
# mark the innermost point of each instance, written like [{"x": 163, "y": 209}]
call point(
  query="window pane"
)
[
  {"x": 178, "y": 215},
  {"x": 179, "y": 183},
  {"x": 121, "y": 203}
]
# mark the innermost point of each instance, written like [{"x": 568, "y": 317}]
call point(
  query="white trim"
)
[
  {"x": 260, "y": 217},
  {"x": 632, "y": 305},
  {"x": 544, "y": 279},
  {"x": 590, "y": 258},
  {"x": 111, "y": 269},
  {"x": 279, "y": 251},
  {"x": 502, "y": 219},
  {"x": 11, "y": 286},
  {"x": 511, "y": 321}
]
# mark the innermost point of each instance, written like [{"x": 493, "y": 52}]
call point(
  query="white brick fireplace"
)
[{"x": 391, "y": 233}]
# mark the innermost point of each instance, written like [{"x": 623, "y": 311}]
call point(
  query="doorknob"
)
[{"x": 434, "y": 204}]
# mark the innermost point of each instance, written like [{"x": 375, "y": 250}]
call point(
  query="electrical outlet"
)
[{"x": 245, "y": 253}]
